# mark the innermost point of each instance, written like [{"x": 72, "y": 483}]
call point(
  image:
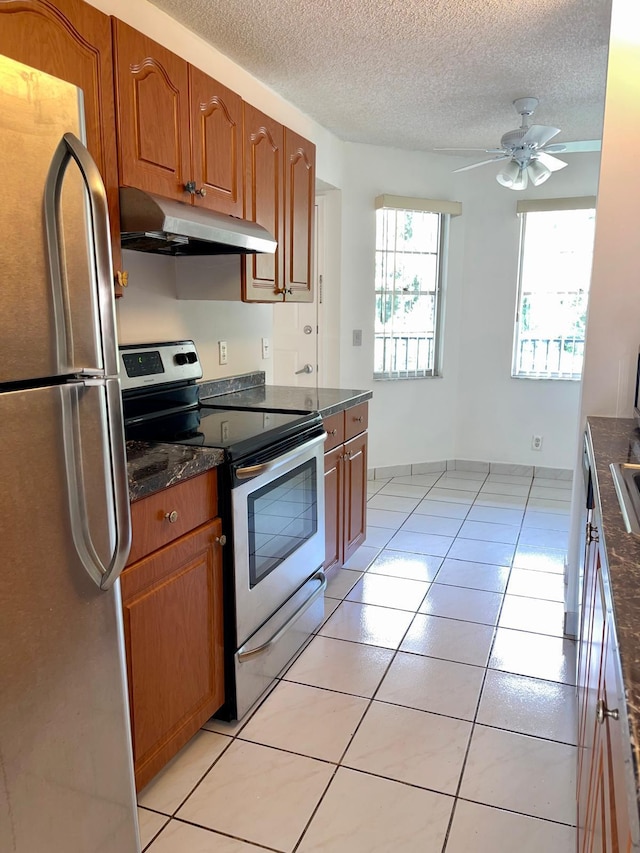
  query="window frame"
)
[
  {"x": 444, "y": 217},
  {"x": 524, "y": 208}
]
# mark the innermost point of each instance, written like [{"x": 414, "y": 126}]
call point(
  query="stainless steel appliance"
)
[
  {"x": 66, "y": 779},
  {"x": 272, "y": 505}
]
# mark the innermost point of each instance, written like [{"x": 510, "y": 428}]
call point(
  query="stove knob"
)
[
  {"x": 191, "y": 358},
  {"x": 181, "y": 358}
]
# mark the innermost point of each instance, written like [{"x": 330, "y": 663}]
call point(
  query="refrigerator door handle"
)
[
  {"x": 69, "y": 148},
  {"x": 103, "y": 575}
]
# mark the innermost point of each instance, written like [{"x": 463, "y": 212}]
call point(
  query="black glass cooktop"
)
[{"x": 236, "y": 432}]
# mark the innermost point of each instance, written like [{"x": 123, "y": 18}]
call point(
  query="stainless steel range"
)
[{"x": 271, "y": 489}]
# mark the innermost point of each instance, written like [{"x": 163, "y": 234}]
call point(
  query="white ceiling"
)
[{"x": 419, "y": 74}]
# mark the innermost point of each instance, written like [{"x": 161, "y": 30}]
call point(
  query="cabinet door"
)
[
  {"x": 333, "y": 506},
  {"x": 589, "y": 691},
  {"x": 172, "y": 603},
  {"x": 216, "y": 144},
  {"x": 72, "y": 41},
  {"x": 299, "y": 207},
  {"x": 153, "y": 115},
  {"x": 262, "y": 274},
  {"x": 355, "y": 494}
]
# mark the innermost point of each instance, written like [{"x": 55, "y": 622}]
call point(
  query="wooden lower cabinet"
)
[
  {"x": 603, "y": 751},
  {"x": 345, "y": 490},
  {"x": 173, "y": 623}
]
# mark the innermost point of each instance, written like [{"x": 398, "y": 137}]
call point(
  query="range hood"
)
[{"x": 149, "y": 223}]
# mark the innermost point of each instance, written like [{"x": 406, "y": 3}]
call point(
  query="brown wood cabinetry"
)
[
  {"x": 177, "y": 127},
  {"x": 603, "y": 815},
  {"x": 72, "y": 41},
  {"x": 345, "y": 481},
  {"x": 173, "y": 621},
  {"x": 279, "y": 195}
]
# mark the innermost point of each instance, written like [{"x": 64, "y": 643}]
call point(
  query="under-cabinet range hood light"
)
[{"x": 149, "y": 223}]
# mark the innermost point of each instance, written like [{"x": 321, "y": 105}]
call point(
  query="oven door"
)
[{"x": 278, "y": 530}]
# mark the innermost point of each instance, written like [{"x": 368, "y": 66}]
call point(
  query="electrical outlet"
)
[
  {"x": 536, "y": 442},
  {"x": 266, "y": 348},
  {"x": 357, "y": 337},
  {"x": 222, "y": 352}
]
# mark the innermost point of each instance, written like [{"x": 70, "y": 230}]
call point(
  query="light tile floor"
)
[{"x": 434, "y": 710}]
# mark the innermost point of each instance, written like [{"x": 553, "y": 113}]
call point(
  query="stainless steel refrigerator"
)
[{"x": 66, "y": 778}]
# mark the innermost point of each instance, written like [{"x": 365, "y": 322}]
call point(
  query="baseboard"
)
[{"x": 416, "y": 468}]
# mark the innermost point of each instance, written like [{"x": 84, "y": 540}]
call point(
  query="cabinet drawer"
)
[
  {"x": 334, "y": 427},
  {"x": 355, "y": 420},
  {"x": 194, "y": 501}
]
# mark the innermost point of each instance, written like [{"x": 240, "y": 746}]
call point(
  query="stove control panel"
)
[{"x": 146, "y": 365}]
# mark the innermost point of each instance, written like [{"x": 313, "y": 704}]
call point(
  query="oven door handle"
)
[
  {"x": 250, "y": 471},
  {"x": 320, "y": 576}
]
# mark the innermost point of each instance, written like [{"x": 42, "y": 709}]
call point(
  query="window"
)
[
  {"x": 410, "y": 240},
  {"x": 556, "y": 249}
]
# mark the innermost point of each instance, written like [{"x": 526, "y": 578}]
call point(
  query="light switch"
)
[{"x": 222, "y": 352}]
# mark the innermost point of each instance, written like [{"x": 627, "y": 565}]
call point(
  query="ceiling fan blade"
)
[
  {"x": 485, "y": 150},
  {"x": 579, "y": 146},
  {"x": 482, "y": 163},
  {"x": 539, "y": 135},
  {"x": 556, "y": 148},
  {"x": 552, "y": 163}
]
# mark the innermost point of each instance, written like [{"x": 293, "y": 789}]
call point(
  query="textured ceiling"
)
[{"x": 419, "y": 74}]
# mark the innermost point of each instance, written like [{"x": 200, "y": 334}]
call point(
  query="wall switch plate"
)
[
  {"x": 222, "y": 352},
  {"x": 224, "y": 430},
  {"x": 266, "y": 348},
  {"x": 357, "y": 337},
  {"x": 536, "y": 442}
]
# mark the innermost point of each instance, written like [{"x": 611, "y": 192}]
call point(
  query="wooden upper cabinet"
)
[
  {"x": 72, "y": 41},
  {"x": 152, "y": 91},
  {"x": 262, "y": 275},
  {"x": 299, "y": 199},
  {"x": 176, "y": 126},
  {"x": 216, "y": 143}
]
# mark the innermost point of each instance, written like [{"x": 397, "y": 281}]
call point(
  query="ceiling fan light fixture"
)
[
  {"x": 508, "y": 174},
  {"x": 538, "y": 173}
]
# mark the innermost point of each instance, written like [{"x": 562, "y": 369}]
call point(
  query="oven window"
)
[{"x": 283, "y": 515}]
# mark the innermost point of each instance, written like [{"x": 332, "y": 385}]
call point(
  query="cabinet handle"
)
[
  {"x": 358, "y": 419},
  {"x": 172, "y": 516},
  {"x": 221, "y": 540},
  {"x": 190, "y": 187},
  {"x": 602, "y": 712},
  {"x": 333, "y": 431},
  {"x": 283, "y": 290}
]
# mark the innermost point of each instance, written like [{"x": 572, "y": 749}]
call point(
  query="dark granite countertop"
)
[
  {"x": 618, "y": 440},
  {"x": 290, "y": 398},
  {"x": 152, "y": 467}
]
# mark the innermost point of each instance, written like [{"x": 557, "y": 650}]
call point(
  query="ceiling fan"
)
[{"x": 529, "y": 156}]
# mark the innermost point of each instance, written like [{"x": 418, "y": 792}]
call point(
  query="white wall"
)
[
  {"x": 150, "y": 312},
  {"x": 412, "y": 420},
  {"x": 476, "y": 410},
  {"x": 496, "y": 414}
]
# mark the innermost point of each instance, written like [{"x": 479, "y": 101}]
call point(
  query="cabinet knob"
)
[
  {"x": 190, "y": 187},
  {"x": 221, "y": 540},
  {"x": 358, "y": 419},
  {"x": 333, "y": 431},
  {"x": 602, "y": 712},
  {"x": 172, "y": 516}
]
